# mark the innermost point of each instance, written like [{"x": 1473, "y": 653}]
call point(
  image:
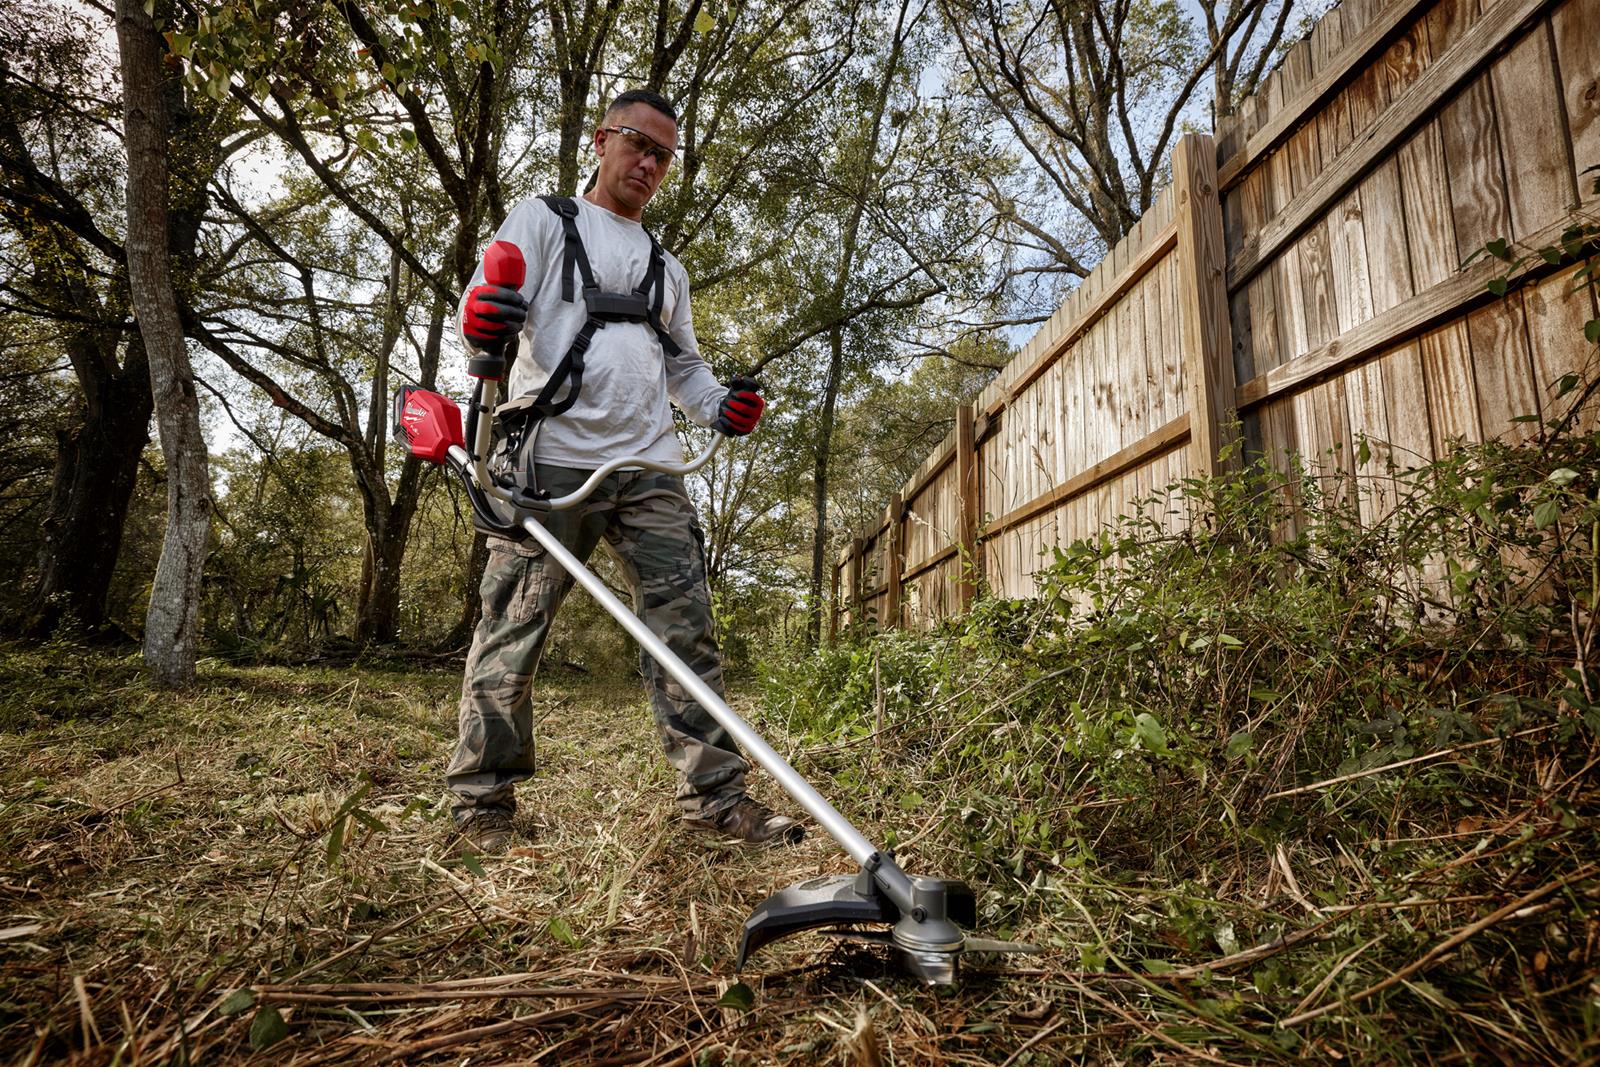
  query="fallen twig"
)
[
  {"x": 1459, "y": 937},
  {"x": 1440, "y": 754}
]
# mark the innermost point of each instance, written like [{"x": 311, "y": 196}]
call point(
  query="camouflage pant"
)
[{"x": 648, "y": 523}]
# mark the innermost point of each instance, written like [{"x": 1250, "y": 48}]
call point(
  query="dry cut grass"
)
[{"x": 259, "y": 869}]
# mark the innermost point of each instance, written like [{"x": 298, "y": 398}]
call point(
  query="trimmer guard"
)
[{"x": 835, "y": 900}]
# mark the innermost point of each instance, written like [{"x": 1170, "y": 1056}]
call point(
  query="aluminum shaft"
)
[{"x": 815, "y": 804}]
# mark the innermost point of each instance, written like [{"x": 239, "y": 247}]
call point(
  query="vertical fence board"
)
[
  {"x": 967, "y": 491},
  {"x": 1578, "y": 59},
  {"x": 1172, "y": 340},
  {"x": 1383, "y": 221},
  {"x": 1347, "y": 261},
  {"x": 1533, "y": 136},
  {"x": 1503, "y": 369},
  {"x": 1404, "y": 383},
  {"x": 1405, "y": 60},
  {"x": 1429, "y": 221},
  {"x": 1075, "y": 446},
  {"x": 1333, "y": 121},
  {"x": 1555, "y": 318},
  {"x": 1472, "y": 162},
  {"x": 1452, "y": 388},
  {"x": 1368, "y": 409},
  {"x": 1447, "y": 21}
]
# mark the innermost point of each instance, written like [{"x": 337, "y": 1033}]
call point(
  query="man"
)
[{"x": 595, "y": 371}]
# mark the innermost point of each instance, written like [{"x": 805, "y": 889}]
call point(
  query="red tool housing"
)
[{"x": 427, "y": 423}]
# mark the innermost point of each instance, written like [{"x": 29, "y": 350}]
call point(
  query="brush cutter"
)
[{"x": 923, "y": 916}]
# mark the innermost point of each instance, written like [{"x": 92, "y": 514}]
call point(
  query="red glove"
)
[
  {"x": 741, "y": 409},
  {"x": 492, "y": 314}
]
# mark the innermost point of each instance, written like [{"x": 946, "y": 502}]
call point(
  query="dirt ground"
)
[{"x": 261, "y": 868}]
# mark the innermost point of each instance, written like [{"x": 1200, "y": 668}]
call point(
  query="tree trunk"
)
[
  {"x": 819, "y": 488},
  {"x": 389, "y": 519},
  {"x": 471, "y": 604},
  {"x": 97, "y": 466},
  {"x": 848, "y": 247},
  {"x": 172, "y": 619}
]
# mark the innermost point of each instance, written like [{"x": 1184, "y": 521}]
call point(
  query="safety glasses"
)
[{"x": 643, "y": 144}]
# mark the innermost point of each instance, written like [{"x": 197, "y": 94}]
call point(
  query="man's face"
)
[{"x": 628, "y": 176}]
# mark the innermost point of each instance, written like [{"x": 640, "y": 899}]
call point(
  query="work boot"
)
[
  {"x": 486, "y": 831},
  {"x": 752, "y": 822}
]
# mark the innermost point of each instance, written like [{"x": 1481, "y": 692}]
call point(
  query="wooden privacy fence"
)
[{"x": 1302, "y": 271}]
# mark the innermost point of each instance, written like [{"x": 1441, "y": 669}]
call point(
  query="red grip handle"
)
[{"x": 503, "y": 266}]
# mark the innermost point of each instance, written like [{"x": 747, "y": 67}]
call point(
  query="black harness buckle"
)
[{"x": 616, "y": 307}]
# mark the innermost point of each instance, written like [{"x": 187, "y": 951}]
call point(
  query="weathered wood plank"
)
[
  {"x": 1132, "y": 373},
  {"x": 1099, "y": 476},
  {"x": 895, "y": 564},
  {"x": 1555, "y": 316},
  {"x": 1317, "y": 302},
  {"x": 1405, "y": 60},
  {"x": 1257, "y": 344},
  {"x": 1280, "y": 444},
  {"x": 931, "y": 468},
  {"x": 1504, "y": 371},
  {"x": 1172, "y": 361},
  {"x": 1347, "y": 261},
  {"x": 1304, "y": 147},
  {"x": 971, "y": 503},
  {"x": 1438, "y": 81},
  {"x": 1359, "y": 48},
  {"x": 1366, "y": 397},
  {"x": 1409, "y": 423},
  {"x": 1429, "y": 223},
  {"x": 1314, "y": 439},
  {"x": 1075, "y": 432},
  {"x": 1207, "y": 339},
  {"x": 1098, "y": 293},
  {"x": 1155, "y": 386},
  {"x": 1577, "y": 46},
  {"x": 1332, "y": 120},
  {"x": 1099, "y": 345},
  {"x": 1109, "y": 378},
  {"x": 1448, "y": 21},
  {"x": 1452, "y": 387},
  {"x": 918, "y": 568},
  {"x": 1366, "y": 101},
  {"x": 1539, "y": 181},
  {"x": 1383, "y": 222},
  {"x": 1447, "y": 299},
  {"x": 1472, "y": 159}
]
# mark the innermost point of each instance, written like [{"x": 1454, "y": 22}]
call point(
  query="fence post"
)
[
  {"x": 896, "y": 563},
  {"x": 835, "y": 606},
  {"x": 1203, "y": 300},
  {"x": 858, "y": 602},
  {"x": 967, "y": 486}
]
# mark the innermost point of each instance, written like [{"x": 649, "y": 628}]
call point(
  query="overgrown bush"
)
[{"x": 1282, "y": 711}]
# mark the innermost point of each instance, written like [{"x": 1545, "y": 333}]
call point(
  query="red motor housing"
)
[
  {"x": 503, "y": 266},
  {"x": 427, "y": 423}
]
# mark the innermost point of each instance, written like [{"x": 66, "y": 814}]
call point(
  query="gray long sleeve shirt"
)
[{"x": 622, "y": 409}]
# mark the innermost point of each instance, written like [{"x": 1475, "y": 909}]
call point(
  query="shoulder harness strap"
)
[
  {"x": 655, "y": 278},
  {"x": 573, "y": 254}
]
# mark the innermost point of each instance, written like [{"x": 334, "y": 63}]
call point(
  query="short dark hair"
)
[{"x": 644, "y": 96}]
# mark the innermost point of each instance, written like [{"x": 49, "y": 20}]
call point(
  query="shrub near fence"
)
[{"x": 1302, "y": 270}]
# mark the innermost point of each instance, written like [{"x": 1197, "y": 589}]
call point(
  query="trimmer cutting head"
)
[{"x": 927, "y": 938}]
